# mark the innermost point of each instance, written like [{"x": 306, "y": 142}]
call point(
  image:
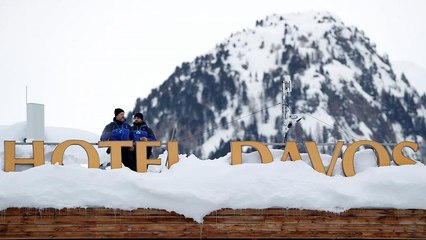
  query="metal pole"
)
[{"x": 289, "y": 119}]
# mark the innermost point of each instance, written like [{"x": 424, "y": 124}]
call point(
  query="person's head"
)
[
  {"x": 138, "y": 118},
  {"x": 119, "y": 115}
]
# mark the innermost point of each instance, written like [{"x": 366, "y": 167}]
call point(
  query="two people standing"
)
[{"x": 119, "y": 130}]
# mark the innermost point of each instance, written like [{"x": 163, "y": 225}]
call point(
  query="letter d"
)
[{"x": 236, "y": 152}]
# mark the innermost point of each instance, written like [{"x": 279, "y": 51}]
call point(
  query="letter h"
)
[{"x": 10, "y": 160}]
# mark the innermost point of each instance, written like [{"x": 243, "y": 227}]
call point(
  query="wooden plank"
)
[
  {"x": 315, "y": 234},
  {"x": 93, "y": 220},
  {"x": 85, "y": 212},
  {"x": 344, "y": 220},
  {"x": 312, "y": 227},
  {"x": 299, "y": 212},
  {"x": 223, "y": 212},
  {"x": 86, "y": 235},
  {"x": 218, "y": 220},
  {"x": 206, "y": 234},
  {"x": 106, "y": 228},
  {"x": 322, "y": 219},
  {"x": 210, "y": 227}
]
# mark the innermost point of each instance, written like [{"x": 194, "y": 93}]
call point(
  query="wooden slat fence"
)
[{"x": 27, "y": 223}]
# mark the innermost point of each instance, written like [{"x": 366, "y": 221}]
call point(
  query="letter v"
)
[{"x": 316, "y": 160}]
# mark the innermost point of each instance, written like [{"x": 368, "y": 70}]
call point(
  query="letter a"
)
[{"x": 291, "y": 151}]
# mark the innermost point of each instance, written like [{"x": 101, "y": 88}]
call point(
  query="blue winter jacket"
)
[
  {"x": 142, "y": 131},
  {"x": 117, "y": 131}
]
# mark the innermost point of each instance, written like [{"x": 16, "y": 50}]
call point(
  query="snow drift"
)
[{"x": 194, "y": 187}]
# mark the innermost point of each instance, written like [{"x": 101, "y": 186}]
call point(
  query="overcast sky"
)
[{"x": 82, "y": 59}]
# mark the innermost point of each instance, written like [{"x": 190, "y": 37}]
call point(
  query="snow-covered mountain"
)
[
  {"x": 415, "y": 73},
  {"x": 345, "y": 88}
]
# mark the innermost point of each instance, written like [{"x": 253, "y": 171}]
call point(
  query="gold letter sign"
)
[
  {"x": 92, "y": 154},
  {"x": 290, "y": 152},
  {"x": 10, "y": 159},
  {"x": 236, "y": 152},
  {"x": 383, "y": 158},
  {"x": 115, "y": 151}
]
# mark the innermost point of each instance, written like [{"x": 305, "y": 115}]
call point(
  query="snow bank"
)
[{"x": 194, "y": 187}]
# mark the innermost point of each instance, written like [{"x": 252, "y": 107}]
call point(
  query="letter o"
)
[
  {"x": 92, "y": 154},
  {"x": 383, "y": 158}
]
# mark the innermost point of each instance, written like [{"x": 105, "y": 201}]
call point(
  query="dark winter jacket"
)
[
  {"x": 142, "y": 130},
  {"x": 117, "y": 131}
]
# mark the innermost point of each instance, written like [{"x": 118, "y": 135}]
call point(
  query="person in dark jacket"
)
[
  {"x": 141, "y": 132},
  {"x": 119, "y": 130}
]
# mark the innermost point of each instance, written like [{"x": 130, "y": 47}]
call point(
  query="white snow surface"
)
[{"x": 194, "y": 187}]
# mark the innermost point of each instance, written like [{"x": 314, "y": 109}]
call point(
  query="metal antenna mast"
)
[{"x": 288, "y": 119}]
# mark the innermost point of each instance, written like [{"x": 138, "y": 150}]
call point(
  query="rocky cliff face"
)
[{"x": 343, "y": 87}]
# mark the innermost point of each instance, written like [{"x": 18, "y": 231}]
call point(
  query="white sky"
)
[{"x": 82, "y": 59}]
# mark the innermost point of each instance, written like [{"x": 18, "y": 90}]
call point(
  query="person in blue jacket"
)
[
  {"x": 119, "y": 130},
  {"x": 141, "y": 132}
]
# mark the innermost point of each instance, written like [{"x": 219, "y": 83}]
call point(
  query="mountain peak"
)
[
  {"x": 300, "y": 18},
  {"x": 338, "y": 77}
]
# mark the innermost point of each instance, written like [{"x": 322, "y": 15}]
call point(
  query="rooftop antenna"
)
[{"x": 288, "y": 119}]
